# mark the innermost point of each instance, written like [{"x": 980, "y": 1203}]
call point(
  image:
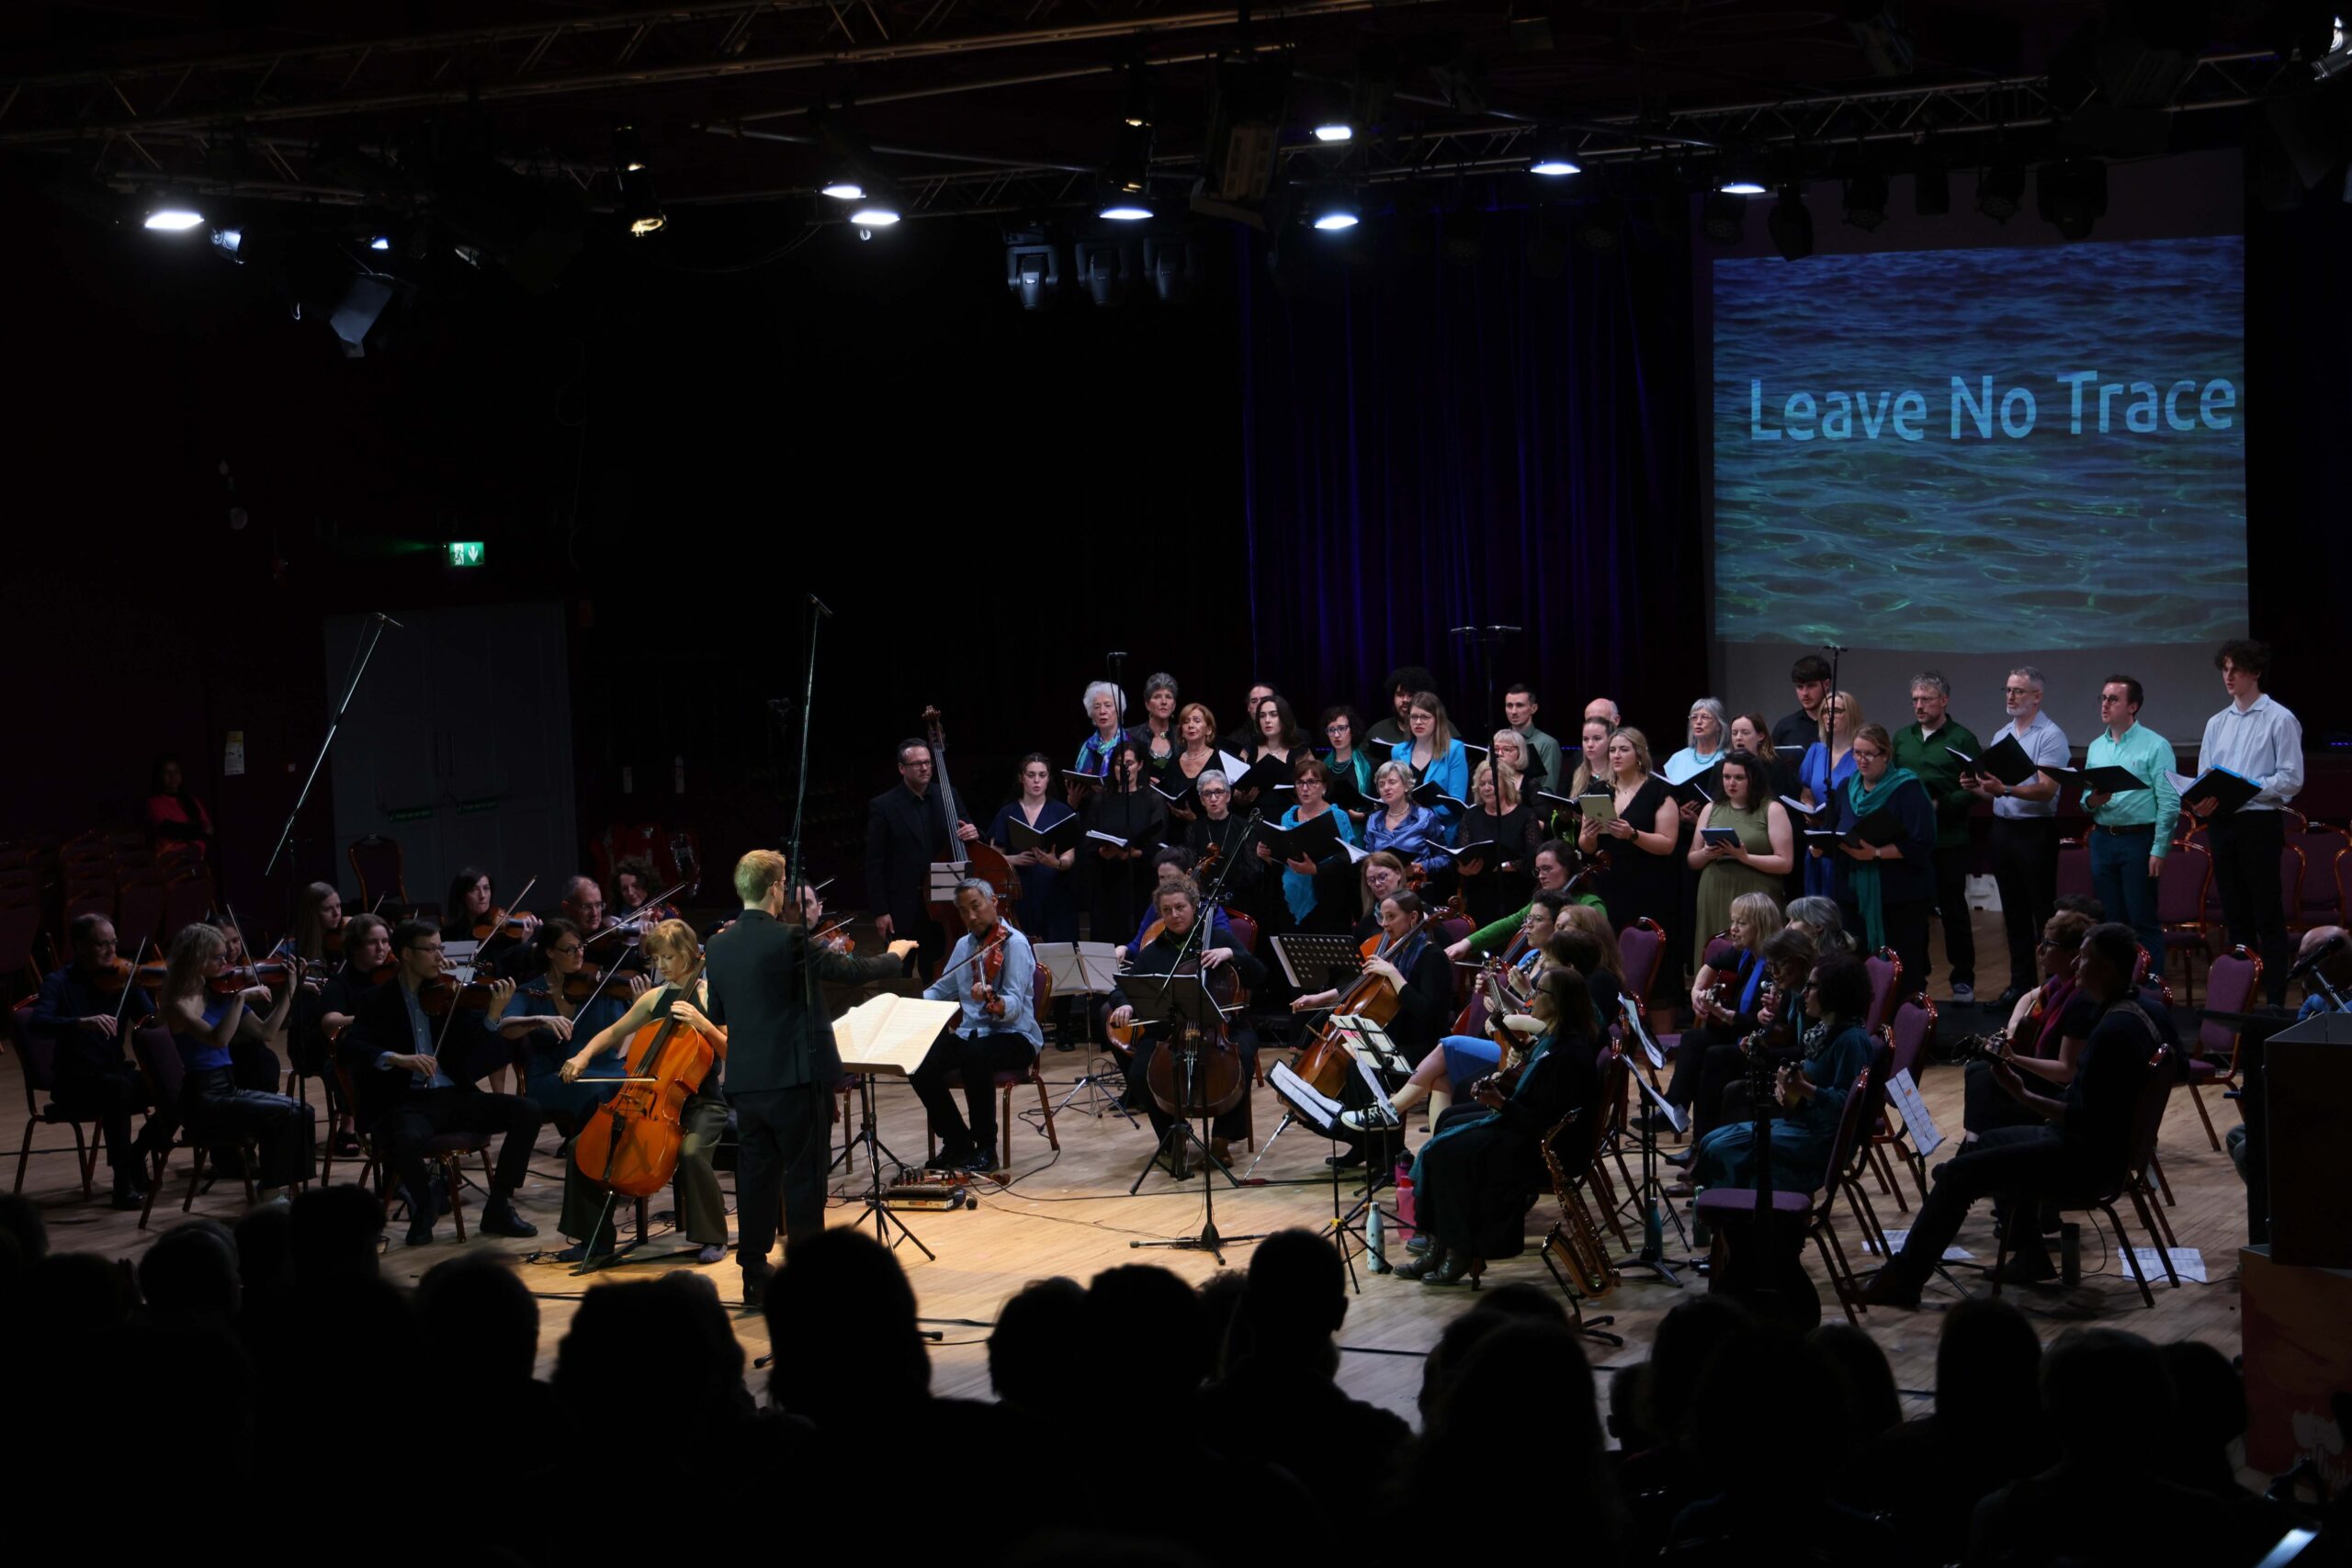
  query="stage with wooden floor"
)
[{"x": 1070, "y": 1212}]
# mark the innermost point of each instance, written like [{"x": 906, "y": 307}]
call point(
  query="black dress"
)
[
  {"x": 1471, "y": 1181},
  {"x": 1115, "y": 889},
  {"x": 1638, "y": 882},
  {"x": 1495, "y": 893}
]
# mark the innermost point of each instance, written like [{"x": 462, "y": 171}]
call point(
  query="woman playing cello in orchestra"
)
[
  {"x": 1048, "y": 903},
  {"x": 702, "y": 1206},
  {"x": 1177, "y": 950}
]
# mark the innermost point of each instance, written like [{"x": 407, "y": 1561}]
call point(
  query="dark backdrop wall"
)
[{"x": 682, "y": 440}]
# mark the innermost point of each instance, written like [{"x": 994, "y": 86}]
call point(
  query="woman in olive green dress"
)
[{"x": 1756, "y": 862}]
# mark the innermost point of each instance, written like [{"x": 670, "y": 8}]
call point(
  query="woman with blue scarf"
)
[
  {"x": 1472, "y": 1179},
  {"x": 1315, "y": 892},
  {"x": 1886, "y": 890}
]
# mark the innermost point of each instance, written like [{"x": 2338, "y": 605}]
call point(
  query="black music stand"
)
[
  {"x": 1652, "y": 1255},
  {"x": 1182, "y": 999}
]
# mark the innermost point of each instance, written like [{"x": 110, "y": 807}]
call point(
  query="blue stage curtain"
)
[{"x": 1432, "y": 444}]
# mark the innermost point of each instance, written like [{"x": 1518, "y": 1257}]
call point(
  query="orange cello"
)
[{"x": 631, "y": 1145}]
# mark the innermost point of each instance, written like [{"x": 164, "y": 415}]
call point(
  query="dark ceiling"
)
[{"x": 973, "y": 106}]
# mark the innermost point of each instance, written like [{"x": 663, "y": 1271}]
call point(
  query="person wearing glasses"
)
[
  {"x": 2024, "y": 827},
  {"x": 413, "y": 1077},
  {"x": 1215, "y": 827},
  {"x": 547, "y": 1014},
  {"x": 1886, "y": 890},
  {"x": 1350, "y": 765}
]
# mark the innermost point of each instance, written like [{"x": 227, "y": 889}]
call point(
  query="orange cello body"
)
[{"x": 631, "y": 1145}]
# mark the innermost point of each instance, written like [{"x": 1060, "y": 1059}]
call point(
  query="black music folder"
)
[
  {"x": 2226, "y": 790},
  {"x": 1185, "y": 798},
  {"x": 1880, "y": 827},
  {"x": 1063, "y": 835},
  {"x": 2004, "y": 760},
  {"x": 2107, "y": 777},
  {"x": 1426, "y": 793},
  {"x": 1701, "y": 788},
  {"x": 1314, "y": 838}
]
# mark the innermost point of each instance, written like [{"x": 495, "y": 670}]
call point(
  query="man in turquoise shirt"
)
[{"x": 2131, "y": 829}]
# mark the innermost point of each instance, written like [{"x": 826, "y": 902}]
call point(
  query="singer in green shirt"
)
[{"x": 2131, "y": 829}]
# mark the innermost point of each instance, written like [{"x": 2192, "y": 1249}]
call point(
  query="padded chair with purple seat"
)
[
  {"x": 1642, "y": 946},
  {"x": 1886, "y": 985},
  {"x": 2148, "y": 1119},
  {"x": 448, "y": 1150},
  {"x": 2180, "y": 908},
  {"x": 1913, "y": 1030},
  {"x": 2323, "y": 901},
  {"x": 2074, "y": 867},
  {"x": 2230, "y": 985},
  {"x": 38, "y": 1058}
]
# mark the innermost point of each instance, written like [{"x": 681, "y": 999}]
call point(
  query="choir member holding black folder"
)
[
  {"x": 1040, "y": 834},
  {"x": 1497, "y": 848},
  {"x": 1123, "y": 824},
  {"x": 1884, "y": 852},
  {"x": 1312, "y": 846}
]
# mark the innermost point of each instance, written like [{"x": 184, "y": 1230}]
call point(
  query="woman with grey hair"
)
[
  {"x": 1157, "y": 732},
  {"x": 1819, "y": 918},
  {"x": 1709, "y": 730},
  {"x": 1104, "y": 704}
]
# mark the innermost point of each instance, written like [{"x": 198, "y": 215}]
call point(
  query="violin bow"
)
[
  {"x": 123, "y": 1000},
  {"x": 1003, "y": 936}
]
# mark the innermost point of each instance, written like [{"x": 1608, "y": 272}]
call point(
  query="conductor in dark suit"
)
[
  {"x": 905, "y": 830},
  {"x": 413, "y": 1077},
  {"x": 781, "y": 1062}
]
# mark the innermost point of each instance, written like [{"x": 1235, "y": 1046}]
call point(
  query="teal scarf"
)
[{"x": 1861, "y": 875}]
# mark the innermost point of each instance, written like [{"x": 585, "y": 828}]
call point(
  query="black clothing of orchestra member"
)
[
  {"x": 905, "y": 833},
  {"x": 1707, "y": 1057},
  {"x": 400, "y": 1115},
  {"x": 1794, "y": 733},
  {"x": 1495, "y": 892},
  {"x": 781, "y": 1066},
  {"x": 1232, "y": 838},
  {"x": 2085, "y": 1150},
  {"x": 1160, "y": 958},
  {"x": 1638, "y": 882},
  {"x": 1425, "y": 1007},
  {"x": 1475, "y": 1178},
  {"x": 92, "y": 1079},
  {"x": 1118, "y": 890}
]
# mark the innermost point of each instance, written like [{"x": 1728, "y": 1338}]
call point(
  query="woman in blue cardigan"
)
[{"x": 1433, "y": 753}]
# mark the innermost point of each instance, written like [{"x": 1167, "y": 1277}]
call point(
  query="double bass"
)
[
  {"x": 978, "y": 857},
  {"x": 631, "y": 1145}
]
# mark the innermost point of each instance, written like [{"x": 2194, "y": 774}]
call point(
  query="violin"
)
[
  {"x": 228, "y": 982},
  {"x": 632, "y": 1142},
  {"x": 1513, "y": 1063},
  {"x": 330, "y": 941},
  {"x": 1323, "y": 1060},
  {"x": 442, "y": 993},
  {"x": 498, "y": 922},
  {"x": 587, "y": 983},
  {"x": 984, "y": 985},
  {"x": 117, "y": 975},
  {"x": 834, "y": 937}
]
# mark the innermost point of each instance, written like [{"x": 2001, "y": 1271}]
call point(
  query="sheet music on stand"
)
[
  {"x": 946, "y": 876},
  {"x": 1379, "y": 1095},
  {"x": 1081, "y": 968},
  {"x": 1367, "y": 1042},
  {"x": 1303, "y": 1099},
  {"x": 1309, "y": 961},
  {"x": 460, "y": 956},
  {"x": 1655, "y": 1057},
  {"x": 1924, "y": 1137},
  {"x": 890, "y": 1034},
  {"x": 1675, "y": 1118}
]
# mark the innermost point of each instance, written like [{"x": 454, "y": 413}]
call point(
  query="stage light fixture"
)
[
  {"x": 1724, "y": 218},
  {"x": 843, "y": 187},
  {"x": 381, "y": 242},
  {"x": 1335, "y": 130},
  {"x": 173, "y": 214},
  {"x": 1743, "y": 186},
  {"x": 1033, "y": 267},
  {"x": 1553, "y": 156},
  {"x": 1107, "y": 268},
  {"x": 1865, "y": 201},
  {"x": 1333, "y": 208},
  {"x": 877, "y": 214},
  {"x": 1124, "y": 209},
  {"x": 640, "y": 208},
  {"x": 2000, "y": 189},
  {"x": 1246, "y": 98},
  {"x": 1791, "y": 225},
  {"x": 229, "y": 241},
  {"x": 1172, "y": 263},
  {"x": 2072, "y": 195}
]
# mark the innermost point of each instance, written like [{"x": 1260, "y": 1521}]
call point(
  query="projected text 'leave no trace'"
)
[{"x": 1981, "y": 412}]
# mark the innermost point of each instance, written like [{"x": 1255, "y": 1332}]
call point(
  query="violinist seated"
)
[
  {"x": 679, "y": 999},
  {"x": 472, "y": 913},
  {"x": 568, "y": 998},
  {"x": 1215, "y": 827},
  {"x": 992, "y": 975},
  {"x": 610, "y": 944},
  {"x": 1458, "y": 1061},
  {"x": 633, "y": 890},
  {"x": 319, "y": 922},
  {"x": 1723, "y": 1001},
  {"x": 1177, "y": 950},
  {"x": 253, "y": 1049},
  {"x": 1810, "y": 1087},
  {"x": 415, "y": 1050},
  {"x": 1472, "y": 1179},
  {"x": 204, "y": 1004},
  {"x": 84, "y": 1010},
  {"x": 366, "y": 966}
]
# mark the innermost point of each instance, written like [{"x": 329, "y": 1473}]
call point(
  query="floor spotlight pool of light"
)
[{"x": 173, "y": 218}]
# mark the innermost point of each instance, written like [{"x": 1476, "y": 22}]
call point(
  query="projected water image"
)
[{"x": 2023, "y": 448}]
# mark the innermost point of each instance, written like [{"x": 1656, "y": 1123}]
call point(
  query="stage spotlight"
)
[
  {"x": 1552, "y": 159},
  {"x": 1791, "y": 224},
  {"x": 1106, "y": 266},
  {"x": 1124, "y": 209},
  {"x": 879, "y": 208},
  {"x": 1033, "y": 267},
  {"x": 1173, "y": 264},
  {"x": 174, "y": 214},
  {"x": 1247, "y": 94},
  {"x": 1334, "y": 208},
  {"x": 1741, "y": 176},
  {"x": 1129, "y": 169},
  {"x": 1724, "y": 218},
  {"x": 843, "y": 187},
  {"x": 2072, "y": 195},
  {"x": 640, "y": 208},
  {"x": 381, "y": 242},
  {"x": 229, "y": 241},
  {"x": 1335, "y": 130},
  {"x": 1866, "y": 201},
  {"x": 1999, "y": 189}
]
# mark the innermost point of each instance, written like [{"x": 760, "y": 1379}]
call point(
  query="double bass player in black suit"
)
[
  {"x": 781, "y": 1060},
  {"x": 905, "y": 830}
]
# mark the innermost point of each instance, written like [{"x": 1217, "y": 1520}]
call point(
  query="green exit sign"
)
[{"x": 464, "y": 552}]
